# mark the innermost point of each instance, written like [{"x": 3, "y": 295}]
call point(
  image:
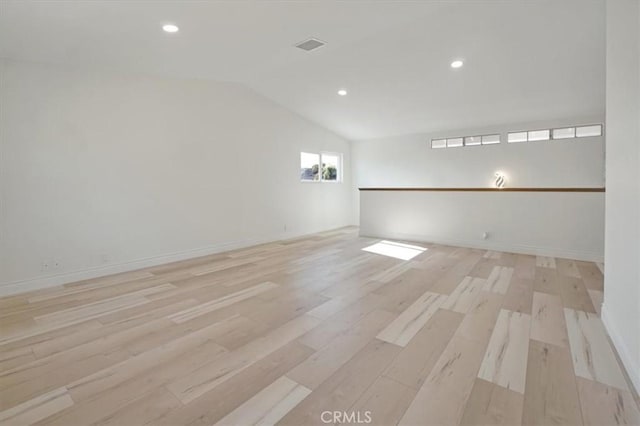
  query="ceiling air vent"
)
[{"x": 310, "y": 44}]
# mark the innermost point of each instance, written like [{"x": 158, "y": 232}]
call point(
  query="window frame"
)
[
  {"x": 555, "y": 137},
  {"x": 321, "y": 154},
  {"x": 498, "y": 142},
  {"x": 548, "y": 138},
  {"x": 480, "y": 138},
  {"x": 601, "y": 126}
]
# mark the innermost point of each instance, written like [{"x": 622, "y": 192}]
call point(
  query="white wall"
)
[
  {"x": 460, "y": 218},
  {"x": 567, "y": 225},
  {"x": 106, "y": 172},
  {"x": 621, "y": 309},
  {"x": 409, "y": 161}
]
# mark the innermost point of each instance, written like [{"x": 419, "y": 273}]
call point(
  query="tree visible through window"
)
[
  {"x": 323, "y": 167},
  {"x": 309, "y": 166},
  {"x": 330, "y": 166}
]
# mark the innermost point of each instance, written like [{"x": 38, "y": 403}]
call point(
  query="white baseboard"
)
[
  {"x": 22, "y": 286},
  {"x": 492, "y": 245},
  {"x": 630, "y": 364}
]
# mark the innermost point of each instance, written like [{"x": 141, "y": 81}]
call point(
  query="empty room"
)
[{"x": 266, "y": 212}]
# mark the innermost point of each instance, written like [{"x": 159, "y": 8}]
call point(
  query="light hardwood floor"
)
[{"x": 282, "y": 332}]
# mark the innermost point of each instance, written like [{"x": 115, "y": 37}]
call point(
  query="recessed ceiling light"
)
[
  {"x": 170, "y": 28},
  {"x": 456, "y": 64},
  {"x": 342, "y": 92}
]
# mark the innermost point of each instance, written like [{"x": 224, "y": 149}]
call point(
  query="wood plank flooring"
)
[{"x": 317, "y": 331}]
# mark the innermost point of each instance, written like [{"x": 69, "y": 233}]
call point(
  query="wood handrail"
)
[{"x": 489, "y": 189}]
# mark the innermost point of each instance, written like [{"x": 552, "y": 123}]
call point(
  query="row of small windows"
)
[
  {"x": 562, "y": 133},
  {"x": 524, "y": 136},
  {"x": 465, "y": 141}
]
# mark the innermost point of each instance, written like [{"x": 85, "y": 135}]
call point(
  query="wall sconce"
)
[{"x": 501, "y": 180}]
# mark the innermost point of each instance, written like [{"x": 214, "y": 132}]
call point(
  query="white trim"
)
[
  {"x": 631, "y": 365},
  {"x": 22, "y": 286},
  {"x": 492, "y": 245}
]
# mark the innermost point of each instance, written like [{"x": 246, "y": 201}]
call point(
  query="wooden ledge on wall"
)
[{"x": 490, "y": 189}]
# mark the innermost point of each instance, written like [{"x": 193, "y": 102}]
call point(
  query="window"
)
[
  {"x": 490, "y": 139},
  {"x": 331, "y": 165},
  {"x": 585, "y": 131},
  {"x": 560, "y": 133},
  {"x": 538, "y": 135},
  {"x": 309, "y": 166},
  {"x": 472, "y": 140},
  {"x": 465, "y": 141},
  {"x": 517, "y": 137},
  {"x": 439, "y": 143},
  {"x": 323, "y": 167},
  {"x": 454, "y": 142},
  {"x": 566, "y": 133}
]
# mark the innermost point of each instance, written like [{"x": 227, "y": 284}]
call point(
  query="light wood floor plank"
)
[
  {"x": 499, "y": 279},
  {"x": 547, "y": 320},
  {"x": 597, "y": 298},
  {"x": 408, "y": 323},
  {"x": 490, "y": 404},
  {"x": 505, "y": 360},
  {"x": 479, "y": 322},
  {"x": 215, "y": 404},
  {"x": 15, "y": 358},
  {"x": 313, "y": 371},
  {"x": 96, "y": 309},
  {"x": 546, "y": 281},
  {"x": 343, "y": 388},
  {"x": 220, "y": 303},
  {"x": 606, "y": 405},
  {"x": 208, "y": 377},
  {"x": 489, "y": 254},
  {"x": 567, "y": 268},
  {"x": 143, "y": 410},
  {"x": 36, "y": 409},
  {"x": 550, "y": 396},
  {"x": 593, "y": 357},
  {"x": 462, "y": 298},
  {"x": 444, "y": 394},
  {"x": 574, "y": 294},
  {"x": 121, "y": 372},
  {"x": 341, "y": 322},
  {"x": 545, "y": 262},
  {"x": 519, "y": 297},
  {"x": 386, "y": 401},
  {"x": 591, "y": 275},
  {"x": 269, "y": 405},
  {"x": 416, "y": 360},
  {"x": 339, "y": 303},
  {"x": 525, "y": 267}
]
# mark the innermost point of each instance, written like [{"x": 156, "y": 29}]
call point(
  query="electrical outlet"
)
[{"x": 105, "y": 258}]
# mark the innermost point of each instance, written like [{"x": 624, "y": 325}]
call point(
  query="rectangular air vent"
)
[{"x": 310, "y": 44}]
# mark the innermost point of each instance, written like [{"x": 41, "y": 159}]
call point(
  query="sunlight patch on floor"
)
[{"x": 396, "y": 250}]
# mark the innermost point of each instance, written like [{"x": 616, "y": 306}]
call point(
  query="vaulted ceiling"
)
[{"x": 523, "y": 60}]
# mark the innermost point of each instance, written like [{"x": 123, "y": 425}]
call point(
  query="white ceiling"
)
[{"x": 524, "y": 60}]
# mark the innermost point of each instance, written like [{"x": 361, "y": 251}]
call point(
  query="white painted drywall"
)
[
  {"x": 567, "y": 225},
  {"x": 621, "y": 309},
  {"x": 103, "y": 172},
  {"x": 460, "y": 218},
  {"x": 409, "y": 160}
]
